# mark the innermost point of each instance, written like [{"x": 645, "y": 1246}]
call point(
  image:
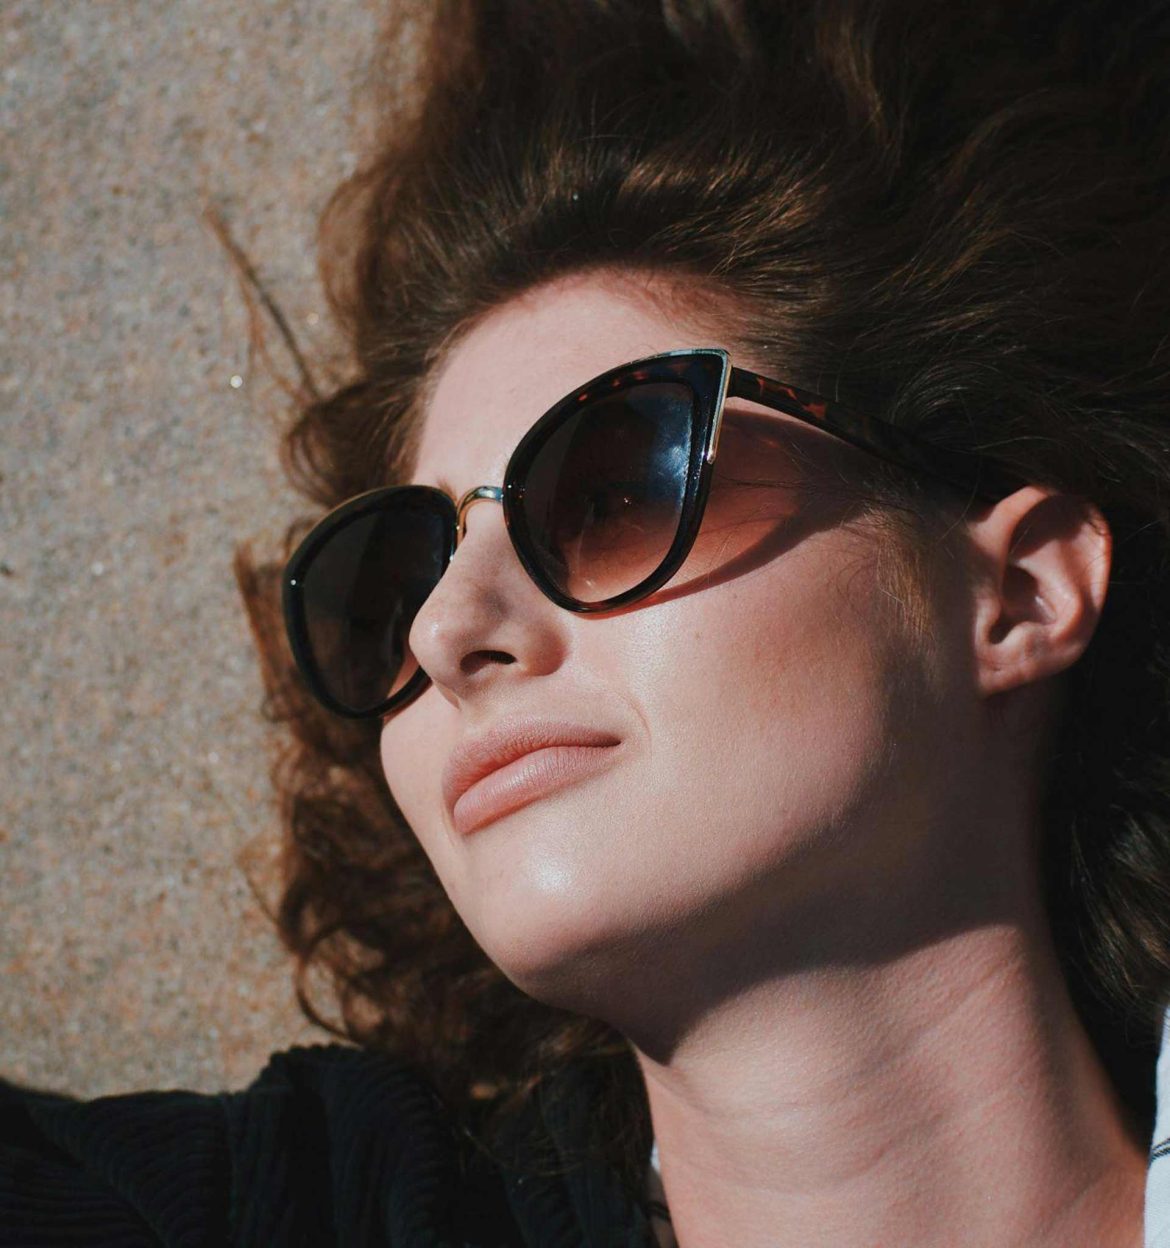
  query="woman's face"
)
[{"x": 774, "y": 722}]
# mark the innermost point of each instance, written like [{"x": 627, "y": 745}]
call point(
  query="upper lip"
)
[{"x": 509, "y": 739}]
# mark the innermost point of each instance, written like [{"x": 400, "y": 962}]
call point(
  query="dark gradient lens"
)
[
  {"x": 603, "y": 493},
  {"x": 361, "y": 590}
]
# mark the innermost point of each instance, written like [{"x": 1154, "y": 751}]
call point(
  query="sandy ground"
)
[{"x": 137, "y": 447}]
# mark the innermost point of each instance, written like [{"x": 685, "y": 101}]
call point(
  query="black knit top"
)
[
  {"x": 329, "y": 1146},
  {"x": 333, "y": 1145}
]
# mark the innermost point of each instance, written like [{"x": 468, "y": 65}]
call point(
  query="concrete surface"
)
[{"x": 135, "y": 770}]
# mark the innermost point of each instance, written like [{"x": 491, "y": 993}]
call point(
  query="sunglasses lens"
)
[
  {"x": 361, "y": 589},
  {"x": 604, "y": 489}
]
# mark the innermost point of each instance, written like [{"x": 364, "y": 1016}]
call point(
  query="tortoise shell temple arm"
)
[{"x": 965, "y": 471}]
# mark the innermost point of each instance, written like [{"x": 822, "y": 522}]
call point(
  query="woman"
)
[{"x": 756, "y": 830}]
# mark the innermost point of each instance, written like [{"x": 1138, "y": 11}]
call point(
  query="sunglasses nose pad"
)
[{"x": 492, "y": 493}]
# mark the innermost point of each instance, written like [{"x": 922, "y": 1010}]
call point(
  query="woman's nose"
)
[{"x": 485, "y": 615}]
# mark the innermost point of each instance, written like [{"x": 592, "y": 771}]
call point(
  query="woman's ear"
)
[{"x": 1044, "y": 559}]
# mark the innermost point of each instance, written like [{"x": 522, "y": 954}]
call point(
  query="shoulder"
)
[{"x": 292, "y": 1158}]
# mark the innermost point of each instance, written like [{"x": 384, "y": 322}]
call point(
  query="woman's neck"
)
[{"x": 951, "y": 1097}]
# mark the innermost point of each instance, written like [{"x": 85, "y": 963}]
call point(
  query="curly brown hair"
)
[{"x": 954, "y": 216}]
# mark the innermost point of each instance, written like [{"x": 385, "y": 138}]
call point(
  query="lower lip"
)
[{"x": 524, "y": 779}]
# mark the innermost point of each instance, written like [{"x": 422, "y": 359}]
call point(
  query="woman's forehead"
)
[
  {"x": 522, "y": 358},
  {"x": 518, "y": 360}
]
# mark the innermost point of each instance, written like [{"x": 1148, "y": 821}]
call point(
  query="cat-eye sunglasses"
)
[{"x": 603, "y": 498}]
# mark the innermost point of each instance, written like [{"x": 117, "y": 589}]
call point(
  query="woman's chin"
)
[{"x": 565, "y": 964}]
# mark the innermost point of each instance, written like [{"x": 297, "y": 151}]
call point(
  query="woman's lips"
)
[{"x": 532, "y": 775}]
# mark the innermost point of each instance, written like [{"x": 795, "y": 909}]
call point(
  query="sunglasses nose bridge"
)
[{"x": 492, "y": 492}]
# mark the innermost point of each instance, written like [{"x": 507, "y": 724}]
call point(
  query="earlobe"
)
[{"x": 1045, "y": 559}]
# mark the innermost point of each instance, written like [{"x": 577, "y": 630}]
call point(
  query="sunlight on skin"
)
[{"x": 803, "y": 887}]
